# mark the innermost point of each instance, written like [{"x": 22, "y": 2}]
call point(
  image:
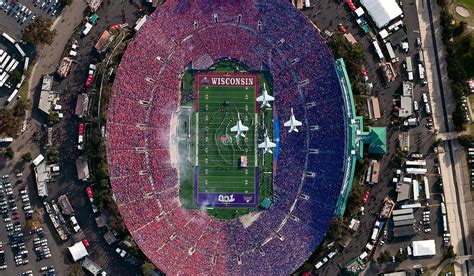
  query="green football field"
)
[{"x": 219, "y": 151}]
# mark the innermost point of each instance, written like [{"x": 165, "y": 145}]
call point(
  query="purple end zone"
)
[{"x": 224, "y": 199}]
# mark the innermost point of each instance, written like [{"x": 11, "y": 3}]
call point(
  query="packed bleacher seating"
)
[{"x": 267, "y": 34}]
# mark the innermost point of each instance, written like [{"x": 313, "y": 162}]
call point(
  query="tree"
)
[
  {"x": 74, "y": 270},
  {"x": 38, "y": 32},
  {"x": 449, "y": 253},
  {"x": 52, "y": 155},
  {"x": 466, "y": 140},
  {"x": 19, "y": 110},
  {"x": 9, "y": 153},
  {"x": 399, "y": 156},
  {"x": 383, "y": 257},
  {"x": 15, "y": 76},
  {"x": 401, "y": 256},
  {"x": 9, "y": 124},
  {"x": 53, "y": 118},
  {"x": 458, "y": 119},
  {"x": 438, "y": 142},
  {"x": 356, "y": 198},
  {"x": 148, "y": 268},
  {"x": 354, "y": 56},
  {"x": 26, "y": 157},
  {"x": 65, "y": 3},
  {"x": 459, "y": 28},
  {"x": 337, "y": 228}
]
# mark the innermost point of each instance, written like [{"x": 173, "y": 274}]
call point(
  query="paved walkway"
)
[
  {"x": 445, "y": 136},
  {"x": 457, "y": 259}
]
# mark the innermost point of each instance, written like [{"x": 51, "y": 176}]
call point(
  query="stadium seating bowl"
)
[{"x": 265, "y": 35}]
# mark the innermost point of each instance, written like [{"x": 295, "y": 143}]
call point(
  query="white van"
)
[
  {"x": 416, "y": 107},
  {"x": 428, "y": 109},
  {"x": 73, "y": 220},
  {"x": 425, "y": 98}
]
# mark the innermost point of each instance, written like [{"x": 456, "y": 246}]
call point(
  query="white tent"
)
[
  {"x": 424, "y": 248},
  {"x": 78, "y": 251},
  {"x": 382, "y": 11}
]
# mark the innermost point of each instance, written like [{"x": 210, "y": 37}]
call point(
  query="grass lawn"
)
[
  {"x": 466, "y": 3},
  {"x": 469, "y": 4},
  {"x": 449, "y": 268}
]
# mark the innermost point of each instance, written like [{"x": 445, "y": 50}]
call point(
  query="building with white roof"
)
[
  {"x": 382, "y": 12},
  {"x": 424, "y": 248}
]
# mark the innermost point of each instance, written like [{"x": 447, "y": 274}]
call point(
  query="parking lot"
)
[
  {"x": 18, "y": 14},
  {"x": 24, "y": 250},
  {"x": 65, "y": 136}
]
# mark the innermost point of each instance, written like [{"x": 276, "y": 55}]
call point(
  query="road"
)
[{"x": 453, "y": 162}]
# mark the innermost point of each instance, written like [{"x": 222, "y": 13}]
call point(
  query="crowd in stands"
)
[{"x": 261, "y": 34}]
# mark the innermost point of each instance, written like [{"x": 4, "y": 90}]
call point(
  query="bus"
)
[
  {"x": 409, "y": 68},
  {"x": 22, "y": 53},
  {"x": 445, "y": 224},
  {"x": 377, "y": 49},
  {"x": 391, "y": 53},
  {"x": 409, "y": 64},
  {"x": 3, "y": 55},
  {"x": 9, "y": 38},
  {"x": 420, "y": 56},
  {"x": 3, "y": 78},
  {"x": 12, "y": 96},
  {"x": 10, "y": 66},
  {"x": 5, "y": 62}
]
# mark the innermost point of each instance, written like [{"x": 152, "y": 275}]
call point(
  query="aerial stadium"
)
[{"x": 231, "y": 137}]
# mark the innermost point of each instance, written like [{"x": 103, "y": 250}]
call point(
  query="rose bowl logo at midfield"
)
[{"x": 226, "y": 198}]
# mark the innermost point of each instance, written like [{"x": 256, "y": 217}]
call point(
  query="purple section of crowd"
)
[{"x": 262, "y": 34}]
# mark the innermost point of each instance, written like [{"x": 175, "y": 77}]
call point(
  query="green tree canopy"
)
[
  {"x": 27, "y": 157},
  {"x": 9, "y": 153},
  {"x": 383, "y": 257},
  {"x": 9, "y": 124},
  {"x": 148, "y": 268},
  {"x": 65, "y": 2},
  {"x": 53, "y": 118},
  {"x": 15, "y": 76},
  {"x": 52, "y": 155},
  {"x": 38, "y": 32}
]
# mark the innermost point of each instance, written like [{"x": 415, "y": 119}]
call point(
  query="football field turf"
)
[{"x": 225, "y": 164}]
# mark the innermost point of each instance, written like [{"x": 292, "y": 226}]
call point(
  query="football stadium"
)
[{"x": 229, "y": 137}]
